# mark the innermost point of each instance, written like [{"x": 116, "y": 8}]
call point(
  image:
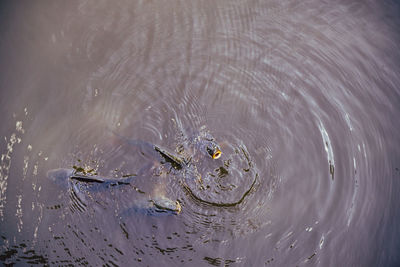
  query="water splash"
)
[
  {"x": 5, "y": 164},
  {"x": 328, "y": 148}
]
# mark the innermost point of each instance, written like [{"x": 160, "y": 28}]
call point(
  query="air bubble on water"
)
[
  {"x": 18, "y": 127},
  {"x": 348, "y": 122},
  {"x": 19, "y": 213},
  {"x": 35, "y": 169},
  {"x": 321, "y": 242}
]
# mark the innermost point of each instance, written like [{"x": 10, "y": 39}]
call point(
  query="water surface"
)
[{"x": 302, "y": 96}]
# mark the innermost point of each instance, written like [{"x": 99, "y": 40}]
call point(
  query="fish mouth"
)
[
  {"x": 217, "y": 154},
  {"x": 163, "y": 204}
]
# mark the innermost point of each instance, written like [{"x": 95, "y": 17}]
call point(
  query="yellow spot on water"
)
[{"x": 178, "y": 207}]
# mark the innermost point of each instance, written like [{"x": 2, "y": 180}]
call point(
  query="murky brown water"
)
[{"x": 302, "y": 96}]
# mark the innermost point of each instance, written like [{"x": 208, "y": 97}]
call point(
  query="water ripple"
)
[{"x": 302, "y": 98}]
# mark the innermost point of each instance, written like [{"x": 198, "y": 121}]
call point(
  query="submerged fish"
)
[
  {"x": 157, "y": 205},
  {"x": 196, "y": 163},
  {"x": 200, "y": 145}
]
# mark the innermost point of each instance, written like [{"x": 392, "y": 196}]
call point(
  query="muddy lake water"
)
[{"x": 302, "y": 98}]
